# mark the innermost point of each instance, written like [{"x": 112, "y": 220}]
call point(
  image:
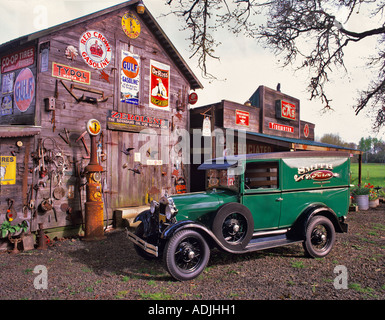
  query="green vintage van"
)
[{"x": 252, "y": 202}]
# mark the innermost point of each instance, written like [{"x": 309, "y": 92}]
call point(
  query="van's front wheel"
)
[
  {"x": 186, "y": 255},
  {"x": 320, "y": 237}
]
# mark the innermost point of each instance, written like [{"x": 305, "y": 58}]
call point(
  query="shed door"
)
[{"x": 132, "y": 183}]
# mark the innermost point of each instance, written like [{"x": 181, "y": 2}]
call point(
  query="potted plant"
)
[{"x": 361, "y": 197}]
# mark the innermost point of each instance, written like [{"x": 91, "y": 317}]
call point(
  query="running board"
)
[{"x": 269, "y": 242}]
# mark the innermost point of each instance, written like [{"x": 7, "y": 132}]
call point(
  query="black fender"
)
[
  {"x": 298, "y": 230},
  {"x": 148, "y": 222}
]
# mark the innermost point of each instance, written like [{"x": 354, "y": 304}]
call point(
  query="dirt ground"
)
[{"x": 111, "y": 270}]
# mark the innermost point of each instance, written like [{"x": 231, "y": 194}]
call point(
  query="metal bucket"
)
[{"x": 362, "y": 202}]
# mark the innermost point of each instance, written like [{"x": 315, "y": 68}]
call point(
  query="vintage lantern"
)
[
  {"x": 94, "y": 228},
  {"x": 140, "y": 8}
]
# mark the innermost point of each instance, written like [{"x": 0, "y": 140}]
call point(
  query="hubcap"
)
[
  {"x": 188, "y": 254},
  {"x": 234, "y": 228},
  {"x": 319, "y": 237}
]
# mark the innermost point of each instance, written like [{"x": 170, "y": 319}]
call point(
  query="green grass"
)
[{"x": 373, "y": 173}]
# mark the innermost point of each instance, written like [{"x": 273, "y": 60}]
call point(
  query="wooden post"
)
[{"x": 360, "y": 169}]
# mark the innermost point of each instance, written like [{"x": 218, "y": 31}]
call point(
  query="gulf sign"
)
[
  {"x": 24, "y": 90},
  {"x": 130, "y": 67},
  {"x": 285, "y": 110}
]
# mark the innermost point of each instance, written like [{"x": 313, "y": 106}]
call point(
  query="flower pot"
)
[
  {"x": 362, "y": 201},
  {"x": 374, "y": 203}
]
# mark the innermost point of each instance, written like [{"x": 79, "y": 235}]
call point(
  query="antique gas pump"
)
[{"x": 94, "y": 229}]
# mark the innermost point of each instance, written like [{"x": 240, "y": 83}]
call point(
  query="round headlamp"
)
[
  {"x": 153, "y": 206},
  {"x": 169, "y": 212}
]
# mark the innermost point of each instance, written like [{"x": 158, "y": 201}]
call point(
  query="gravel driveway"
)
[{"x": 111, "y": 270}]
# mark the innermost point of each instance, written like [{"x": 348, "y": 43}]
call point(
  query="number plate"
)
[{"x": 162, "y": 218}]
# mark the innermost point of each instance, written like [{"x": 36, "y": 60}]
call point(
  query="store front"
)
[{"x": 268, "y": 122}]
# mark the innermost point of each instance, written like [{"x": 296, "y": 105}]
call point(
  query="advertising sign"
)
[
  {"x": 130, "y": 78},
  {"x": 242, "y": 118},
  {"x": 24, "y": 91},
  {"x": 134, "y": 122},
  {"x": 285, "y": 110},
  {"x": 281, "y": 127},
  {"x": 159, "y": 85},
  {"x": 7, "y": 170},
  {"x": 7, "y": 83},
  {"x": 18, "y": 60},
  {"x": 131, "y": 25},
  {"x": 69, "y": 73},
  {"x": 95, "y": 49}
]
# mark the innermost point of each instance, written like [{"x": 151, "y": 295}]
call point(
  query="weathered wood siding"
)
[{"x": 122, "y": 186}]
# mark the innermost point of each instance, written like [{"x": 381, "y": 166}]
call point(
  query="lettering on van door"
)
[{"x": 316, "y": 172}]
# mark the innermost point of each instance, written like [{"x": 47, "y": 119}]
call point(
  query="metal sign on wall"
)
[
  {"x": 69, "y": 73},
  {"x": 7, "y": 170},
  {"x": 159, "y": 85},
  {"x": 18, "y": 60},
  {"x": 134, "y": 122},
  {"x": 242, "y": 118},
  {"x": 95, "y": 49},
  {"x": 131, "y": 25},
  {"x": 130, "y": 78},
  {"x": 285, "y": 110}
]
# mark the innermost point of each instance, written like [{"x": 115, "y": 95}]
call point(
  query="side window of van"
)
[{"x": 260, "y": 175}]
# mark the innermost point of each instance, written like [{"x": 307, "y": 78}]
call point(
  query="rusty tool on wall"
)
[
  {"x": 83, "y": 98},
  {"x": 84, "y": 143}
]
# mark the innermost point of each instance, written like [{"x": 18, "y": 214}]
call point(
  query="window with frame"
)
[{"x": 261, "y": 175}]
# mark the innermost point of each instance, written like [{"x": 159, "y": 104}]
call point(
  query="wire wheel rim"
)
[
  {"x": 188, "y": 254},
  {"x": 320, "y": 238}
]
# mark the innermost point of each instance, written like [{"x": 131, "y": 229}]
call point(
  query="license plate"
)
[{"x": 162, "y": 218}]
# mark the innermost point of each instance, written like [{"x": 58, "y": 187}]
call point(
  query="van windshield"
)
[{"x": 224, "y": 178}]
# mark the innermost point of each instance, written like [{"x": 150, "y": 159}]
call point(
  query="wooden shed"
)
[
  {"x": 116, "y": 66},
  {"x": 269, "y": 121}
]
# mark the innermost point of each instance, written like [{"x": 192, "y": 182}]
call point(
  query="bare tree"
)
[{"x": 288, "y": 24}]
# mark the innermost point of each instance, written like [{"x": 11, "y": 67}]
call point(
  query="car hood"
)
[{"x": 197, "y": 205}]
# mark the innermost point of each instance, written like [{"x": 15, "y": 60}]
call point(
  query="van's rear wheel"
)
[{"x": 320, "y": 237}]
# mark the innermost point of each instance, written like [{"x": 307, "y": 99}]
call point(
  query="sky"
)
[{"x": 244, "y": 65}]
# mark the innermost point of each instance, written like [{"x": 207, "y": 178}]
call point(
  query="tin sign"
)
[
  {"x": 134, "y": 122},
  {"x": 285, "y": 110},
  {"x": 69, "y": 73},
  {"x": 131, "y": 25},
  {"x": 242, "y": 118},
  {"x": 193, "y": 98},
  {"x": 159, "y": 85},
  {"x": 24, "y": 91},
  {"x": 95, "y": 49},
  {"x": 18, "y": 60},
  {"x": 7, "y": 170},
  {"x": 281, "y": 127},
  {"x": 130, "y": 78}
]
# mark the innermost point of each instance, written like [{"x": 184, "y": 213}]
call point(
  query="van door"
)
[{"x": 262, "y": 194}]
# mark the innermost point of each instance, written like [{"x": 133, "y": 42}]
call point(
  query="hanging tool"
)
[{"x": 84, "y": 143}]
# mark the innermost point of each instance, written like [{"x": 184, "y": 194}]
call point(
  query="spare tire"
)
[{"x": 233, "y": 226}]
